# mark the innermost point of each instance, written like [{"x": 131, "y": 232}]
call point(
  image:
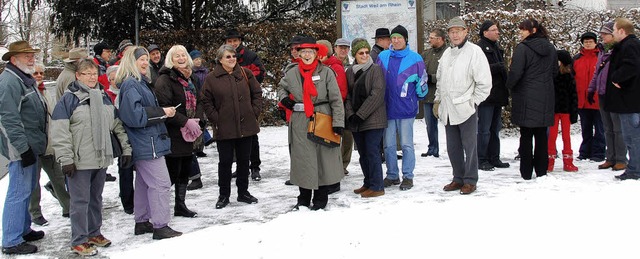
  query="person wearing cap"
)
[
  {"x": 249, "y": 60},
  {"x": 623, "y": 91},
  {"x": 584, "y": 67},
  {"x": 308, "y": 87},
  {"x": 403, "y": 90},
  {"x": 383, "y": 40},
  {"x": 431, "y": 59},
  {"x": 341, "y": 51},
  {"x": 122, "y": 47},
  {"x": 566, "y": 112},
  {"x": 616, "y": 151},
  {"x": 68, "y": 74},
  {"x": 490, "y": 110},
  {"x": 155, "y": 61},
  {"x": 23, "y": 128},
  {"x": 533, "y": 68},
  {"x": 464, "y": 81},
  {"x": 101, "y": 58}
]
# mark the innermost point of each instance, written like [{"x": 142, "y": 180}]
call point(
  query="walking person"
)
[
  {"x": 533, "y": 68},
  {"x": 464, "y": 81},
  {"x": 616, "y": 151},
  {"x": 86, "y": 115},
  {"x": 431, "y": 59},
  {"x": 144, "y": 120}
]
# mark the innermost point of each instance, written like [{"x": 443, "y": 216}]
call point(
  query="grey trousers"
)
[
  {"x": 152, "y": 196},
  {"x": 616, "y": 149},
  {"x": 346, "y": 148},
  {"x": 85, "y": 190},
  {"x": 54, "y": 171},
  {"x": 462, "y": 147}
]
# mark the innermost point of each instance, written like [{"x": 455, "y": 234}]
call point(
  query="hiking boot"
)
[
  {"x": 40, "y": 221},
  {"x": 486, "y": 166},
  {"x": 195, "y": 184},
  {"x": 606, "y": 165},
  {"x": 467, "y": 188},
  {"x": 99, "y": 240},
  {"x": 619, "y": 166},
  {"x": 406, "y": 184},
  {"x": 452, "y": 186},
  {"x": 33, "y": 236},
  {"x": 246, "y": 198},
  {"x": 165, "y": 232},
  {"x": 84, "y": 249},
  {"x": 371, "y": 193},
  {"x": 143, "y": 228},
  {"x": 255, "y": 174},
  {"x": 110, "y": 178},
  {"x": 20, "y": 249},
  {"x": 388, "y": 182},
  {"x": 500, "y": 164},
  {"x": 222, "y": 202},
  {"x": 360, "y": 190},
  {"x": 625, "y": 176},
  {"x": 288, "y": 182}
]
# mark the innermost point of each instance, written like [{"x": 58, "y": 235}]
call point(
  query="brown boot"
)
[
  {"x": 606, "y": 165},
  {"x": 371, "y": 193},
  {"x": 619, "y": 167},
  {"x": 452, "y": 186},
  {"x": 467, "y": 188},
  {"x": 360, "y": 190}
]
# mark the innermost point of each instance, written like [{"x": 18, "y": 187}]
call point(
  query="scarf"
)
[
  {"x": 308, "y": 88},
  {"x": 41, "y": 88},
  {"x": 101, "y": 128},
  {"x": 363, "y": 67},
  {"x": 189, "y": 96}
]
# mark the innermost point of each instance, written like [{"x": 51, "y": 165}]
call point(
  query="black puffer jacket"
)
[
  {"x": 495, "y": 55},
  {"x": 533, "y": 69},
  {"x": 566, "y": 96}
]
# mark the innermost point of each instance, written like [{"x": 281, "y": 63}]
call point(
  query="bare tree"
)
[{"x": 5, "y": 11}]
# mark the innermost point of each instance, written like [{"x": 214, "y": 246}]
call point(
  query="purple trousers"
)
[{"x": 152, "y": 195}]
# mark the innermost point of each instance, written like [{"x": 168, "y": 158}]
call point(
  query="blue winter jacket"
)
[
  {"x": 406, "y": 80},
  {"x": 143, "y": 120}
]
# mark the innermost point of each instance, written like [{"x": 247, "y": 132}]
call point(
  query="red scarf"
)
[
  {"x": 308, "y": 88},
  {"x": 41, "y": 88}
]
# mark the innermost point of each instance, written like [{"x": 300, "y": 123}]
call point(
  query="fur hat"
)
[
  {"x": 607, "y": 28},
  {"x": 357, "y": 44},
  {"x": 456, "y": 22},
  {"x": 588, "y": 35},
  {"x": 402, "y": 31},
  {"x": 16, "y": 47},
  {"x": 98, "y": 48},
  {"x": 564, "y": 57},
  {"x": 76, "y": 54}
]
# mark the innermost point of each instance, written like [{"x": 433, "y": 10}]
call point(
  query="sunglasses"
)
[
  {"x": 38, "y": 73},
  {"x": 363, "y": 53},
  {"x": 230, "y": 56}
]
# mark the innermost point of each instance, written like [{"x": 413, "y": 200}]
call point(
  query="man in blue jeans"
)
[
  {"x": 431, "y": 58},
  {"x": 23, "y": 137},
  {"x": 623, "y": 91}
]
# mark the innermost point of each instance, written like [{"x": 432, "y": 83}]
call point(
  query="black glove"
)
[
  {"x": 125, "y": 161},
  {"x": 355, "y": 119},
  {"x": 287, "y": 102},
  {"x": 69, "y": 170},
  {"x": 590, "y": 98},
  {"x": 283, "y": 114},
  {"x": 28, "y": 158},
  {"x": 338, "y": 130}
]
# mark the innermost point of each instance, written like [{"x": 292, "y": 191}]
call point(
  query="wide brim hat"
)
[
  {"x": 76, "y": 54},
  {"x": 381, "y": 33},
  {"x": 233, "y": 33},
  {"x": 18, "y": 47},
  {"x": 308, "y": 43}
]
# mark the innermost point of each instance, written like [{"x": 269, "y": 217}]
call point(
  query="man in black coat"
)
[
  {"x": 490, "y": 111},
  {"x": 623, "y": 91}
]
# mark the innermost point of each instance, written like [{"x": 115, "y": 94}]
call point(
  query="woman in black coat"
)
[
  {"x": 176, "y": 87},
  {"x": 533, "y": 68}
]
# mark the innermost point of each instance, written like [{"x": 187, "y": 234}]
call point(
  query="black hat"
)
[
  {"x": 485, "y": 26},
  {"x": 402, "y": 31},
  {"x": 307, "y": 42},
  {"x": 233, "y": 33},
  {"x": 564, "y": 57},
  {"x": 98, "y": 48},
  {"x": 296, "y": 40},
  {"x": 382, "y": 32},
  {"x": 588, "y": 35}
]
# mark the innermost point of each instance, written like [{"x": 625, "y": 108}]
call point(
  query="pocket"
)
[{"x": 634, "y": 120}]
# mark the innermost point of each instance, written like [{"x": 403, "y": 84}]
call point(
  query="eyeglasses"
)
[
  {"x": 306, "y": 51},
  {"x": 363, "y": 53},
  {"x": 230, "y": 56},
  {"x": 89, "y": 74},
  {"x": 38, "y": 73}
]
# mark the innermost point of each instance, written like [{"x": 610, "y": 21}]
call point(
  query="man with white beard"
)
[{"x": 23, "y": 138}]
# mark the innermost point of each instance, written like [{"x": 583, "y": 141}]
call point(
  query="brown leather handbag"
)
[{"x": 320, "y": 130}]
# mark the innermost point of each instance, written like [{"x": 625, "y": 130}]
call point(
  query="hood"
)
[
  {"x": 332, "y": 60},
  {"x": 540, "y": 46}
]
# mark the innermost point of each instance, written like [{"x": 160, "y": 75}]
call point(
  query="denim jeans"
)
[
  {"x": 403, "y": 127},
  {"x": 489, "y": 126},
  {"x": 593, "y": 143},
  {"x": 432, "y": 129},
  {"x": 630, "y": 123},
  {"x": 16, "y": 220},
  {"x": 370, "y": 160}
]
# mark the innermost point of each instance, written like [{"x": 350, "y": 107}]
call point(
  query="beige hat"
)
[
  {"x": 19, "y": 47},
  {"x": 327, "y": 44},
  {"x": 75, "y": 54},
  {"x": 456, "y": 22}
]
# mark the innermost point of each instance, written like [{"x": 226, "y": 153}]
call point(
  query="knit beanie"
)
[
  {"x": 123, "y": 44},
  {"x": 195, "y": 54},
  {"x": 485, "y": 26},
  {"x": 564, "y": 57},
  {"x": 357, "y": 44},
  {"x": 607, "y": 28},
  {"x": 402, "y": 31}
]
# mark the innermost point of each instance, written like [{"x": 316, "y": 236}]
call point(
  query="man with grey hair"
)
[
  {"x": 68, "y": 74},
  {"x": 23, "y": 137},
  {"x": 464, "y": 81}
]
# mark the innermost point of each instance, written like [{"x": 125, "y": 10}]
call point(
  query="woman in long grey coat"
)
[{"x": 307, "y": 87}]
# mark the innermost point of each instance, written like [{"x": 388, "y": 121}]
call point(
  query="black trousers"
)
[
  {"x": 179, "y": 168},
  {"x": 126, "y": 186},
  {"x": 537, "y": 160},
  {"x": 255, "y": 153},
  {"x": 320, "y": 196},
  {"x": 241, "y": 147}
]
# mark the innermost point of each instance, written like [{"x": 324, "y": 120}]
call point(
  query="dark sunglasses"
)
[{"x": 230, "y": 56}]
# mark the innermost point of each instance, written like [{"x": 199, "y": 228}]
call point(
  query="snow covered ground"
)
[{"x": 563, "y": 215}]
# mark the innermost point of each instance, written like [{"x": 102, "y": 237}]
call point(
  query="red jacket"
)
[
  {"x": 584, "y": 66},
  {"x": 341, "y": 76},
  {"x": 103, "y": 79}
]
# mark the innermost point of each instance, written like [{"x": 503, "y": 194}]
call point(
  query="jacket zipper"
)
[{"x": 153, "y": 148}]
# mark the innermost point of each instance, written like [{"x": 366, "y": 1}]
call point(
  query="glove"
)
[
  {"x": 338, "y": 130},
  {"x": 28, "y": 158},
  {"x": 590, "y": 98},
  {"x": 125, "y": 161},
  {"x": 288, "y": 103},
  {"x": 193, "y": 125},
  {"x": 283, "y": 114},
  {"x": 355, "y": 119},
  {"x": 436, "y": 106},
  {"x": 69, "y": 170}
]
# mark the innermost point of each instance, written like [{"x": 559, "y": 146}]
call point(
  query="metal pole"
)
[{"x": 137, "y": 24}]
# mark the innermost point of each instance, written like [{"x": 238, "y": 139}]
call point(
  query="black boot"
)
[
  {"x": 304, "y": 199},
  {"x": 320, "y": 198},
  {"x": 165, "y": 232},
  {"x": 195, "y": 184},
  {"x": 181, "y": 208}
]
